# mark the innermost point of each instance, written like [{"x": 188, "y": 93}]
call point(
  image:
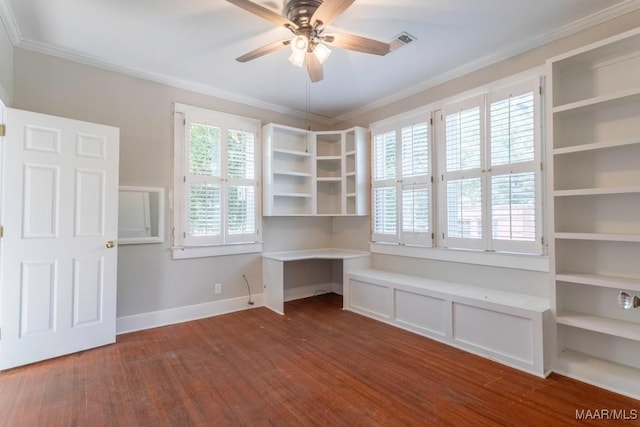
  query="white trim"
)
[
  {"x": 491, "y": 259},
  {"x": 8, "y": 18},
  {"x": 513, "y": 50},
  {"x": 171, "y": 316},
  {"x": 186, "y": 252}
]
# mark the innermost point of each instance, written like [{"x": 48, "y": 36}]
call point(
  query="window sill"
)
[
  {"x": 492, "y": 259},
  {"x": 218, "y": 250}
]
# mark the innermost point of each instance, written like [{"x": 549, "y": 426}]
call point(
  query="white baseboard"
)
[
  {"x": 308, "y": 291},
  {"x": 138, "y": 322}
]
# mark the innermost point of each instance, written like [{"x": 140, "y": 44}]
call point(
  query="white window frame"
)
[
  {"x": 400, "y": 183},
  {"x": 487, "y": 171},
  {"x": 226, "y": 243},
  {"x": 445, "y": 177},
  {"x": 535, "y": 166},
  {"x": 533, "y": 258}
]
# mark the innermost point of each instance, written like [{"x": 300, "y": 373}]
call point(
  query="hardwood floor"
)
[{"x": 318, "y": 365}]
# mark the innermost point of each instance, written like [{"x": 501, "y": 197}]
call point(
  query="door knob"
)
[{"x": 110, "y": 244}]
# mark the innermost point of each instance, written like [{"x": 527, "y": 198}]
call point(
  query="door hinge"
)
[
  {"x": 542, "y": 240},
  {"x": 3, "y": 130},
  {"x": 432, "y": 179},
  {"x": 1, "y": 231},
  {"x": 540, "y": 90},
  {"x": 431, "y": 121},
  {"x": 433, "y": 236}
]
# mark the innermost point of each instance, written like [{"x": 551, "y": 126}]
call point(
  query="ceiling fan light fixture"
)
[
  {"x": 321, "y": 52},
  {"x": 297, "y": 57},
  {"x": 299, "y": 43}
]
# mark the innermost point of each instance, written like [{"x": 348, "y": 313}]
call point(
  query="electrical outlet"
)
[{"x": 218, "y": 288}]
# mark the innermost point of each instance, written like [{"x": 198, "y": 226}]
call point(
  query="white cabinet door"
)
[{"x": 58, "y": 255}]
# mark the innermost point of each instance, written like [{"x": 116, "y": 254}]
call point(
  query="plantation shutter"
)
[
  {"x": 385, "y": 196},
  {"x": 514, "y": 169},
  {"x": 203, "y": 185},
  {"x": 416, "y": 185},
  {"x": 219, "y": 185},
  {"x": 463, "y": 154},
  {"x": 241, "y": 183}
]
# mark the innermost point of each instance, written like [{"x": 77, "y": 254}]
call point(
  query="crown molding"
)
[
  {"x": 574, "y": 27},
  {"x": 191, "y": 86},
  {"x": 8, "y": 19}
]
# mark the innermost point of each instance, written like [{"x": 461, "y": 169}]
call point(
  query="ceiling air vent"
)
[{"x": 400, "y": 40}]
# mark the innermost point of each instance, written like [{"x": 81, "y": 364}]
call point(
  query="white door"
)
[{"x": 58, "y": 253}]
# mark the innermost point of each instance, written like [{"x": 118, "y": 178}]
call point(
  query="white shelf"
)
[
  {"x": 603, "y": 325},
  {"x": 597, "y": 100},
  {"x": 291, "y": 152},
  {"x": 596, "y": 191},
  {"x": 305, "y": 173},
  {"x": 300, "y": 195},
  {"x": 293, "y": 173},
  {"x": 602, "y": 373},
  {"x": 593, "y": 108},
  {"x": 596, "y": 146},
  {"x": 631, "y": 284},
  {"x": 600, "y": 237}
]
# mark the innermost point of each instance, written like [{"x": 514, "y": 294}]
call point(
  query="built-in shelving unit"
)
[
  {"x": 594, "y": 127},
  {"x": 315, "y": 172}
]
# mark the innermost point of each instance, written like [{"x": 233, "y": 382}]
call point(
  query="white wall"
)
[
  {"x": 6, "y": 67},
  {"x": 148, "y": 279}
]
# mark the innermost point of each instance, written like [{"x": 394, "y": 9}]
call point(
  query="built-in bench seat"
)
[{"x": 508, "y": 327}]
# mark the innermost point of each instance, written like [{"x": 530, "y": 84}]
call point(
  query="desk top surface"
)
[{"x": 328, "y": 253}]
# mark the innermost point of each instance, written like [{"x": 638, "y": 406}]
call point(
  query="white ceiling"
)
[{"x": 194, "y": 43}]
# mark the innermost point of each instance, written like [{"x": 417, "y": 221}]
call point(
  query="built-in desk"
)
[{"x": 273, "y": 270}]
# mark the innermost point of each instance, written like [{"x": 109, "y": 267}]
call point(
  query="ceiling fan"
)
[{"x": 307, "y": 20}]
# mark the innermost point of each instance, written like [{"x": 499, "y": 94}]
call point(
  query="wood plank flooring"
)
[{"x": 317, "y": 366}]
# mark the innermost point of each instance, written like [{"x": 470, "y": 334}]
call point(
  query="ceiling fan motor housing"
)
[{"x": 300, "y": 11}]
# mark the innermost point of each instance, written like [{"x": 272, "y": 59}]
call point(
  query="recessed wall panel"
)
[
  {"x": 421, "y": 311},
  {"x": 90, "y": 146},
  {"x": 88, "y": 282},
  {"x": 89, "y": 206},
  {"x": 41, "y": 194},
  {"x": 42, "y": 139},
  {"x": 497, "y": 332},
  {"x": 37, "y": 297},
  {"x": 371, "y": 298}
]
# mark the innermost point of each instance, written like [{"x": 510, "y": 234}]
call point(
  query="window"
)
[
  {"x": 402, "y": 182},
  {"x": 216, "y": 186},
  {"x": 488, "y": 169},
  {"x": 491, "y": 174}
]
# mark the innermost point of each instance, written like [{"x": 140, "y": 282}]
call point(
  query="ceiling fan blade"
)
[
  {"x": 268, "y": 48},
  {"x": 263, "y": 12},
  {"x": 330, "y": 10},
  {"x": 314, "y": 67},
  {"x": 357, "y": 43}
]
